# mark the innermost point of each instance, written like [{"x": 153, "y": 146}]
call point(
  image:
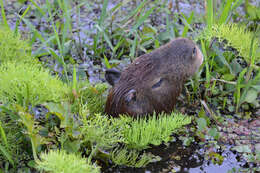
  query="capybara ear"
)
[{"x": 112, "y": 76}]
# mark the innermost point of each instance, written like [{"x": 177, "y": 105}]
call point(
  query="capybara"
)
[{"x": 154, "y": 80}]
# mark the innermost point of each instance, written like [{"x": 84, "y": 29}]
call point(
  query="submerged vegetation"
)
[{"x": 52, "y": 116}]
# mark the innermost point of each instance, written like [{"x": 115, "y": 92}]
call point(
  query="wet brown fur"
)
[{"x": 166, "y": 63}]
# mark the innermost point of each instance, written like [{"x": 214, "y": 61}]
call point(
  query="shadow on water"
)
[{"x": 181, "y": 159}]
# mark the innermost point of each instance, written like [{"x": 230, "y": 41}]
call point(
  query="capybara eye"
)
[
  {"x": 158, "y": 84},
  {"x": 194, "y": 52}
]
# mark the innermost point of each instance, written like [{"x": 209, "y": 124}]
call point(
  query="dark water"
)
[{"x": 176, "y": 158}]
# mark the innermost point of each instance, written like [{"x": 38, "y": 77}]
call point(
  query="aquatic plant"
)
[
  {"x": 126, "y": 137},
  {"x": 5, "y": 150},
  {"x": 103, "y": 132},
  {"x": 154, "y": 130},
  {"x": 130, "y": 157},
  {"x": 13, "y": 48},
  {"x": 61, "y": 162},
  {"x": 233, "y": 35},
  {"x": 91, "y": 97},
  {"x": 29, "y": 84}
]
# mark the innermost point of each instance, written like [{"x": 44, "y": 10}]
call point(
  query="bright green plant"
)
[
  {"x": 62, "y": 162},
  {"x": 3, "y": 14},
  {"x": 29, "y": 84},
  {"x": 233, "y": 34},
  {"x": 12, "y": 140},
  {"x": 220, "y": 15},
  {"x": 130, "y": 157},
  {"x": 13, "y": 48},
  {"x": 101, "y": 133},
  {"x": 140, "y": 133},
  {"x": 32, "y": 130},
  {"x": 4, "y": 146},
  {"x": 91, "y": 97}
]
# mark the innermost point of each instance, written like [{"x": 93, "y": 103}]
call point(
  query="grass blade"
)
[
  {"x": 187, "y": 23},
  {"x": 106, "y": 62},
  {"x": 225, "y": 13},
  {"x": 210, "y": 13},
  {"x": 3, "y": 13},
  {"x": 135, "y": 11},
  {"x": 141, "y": 19},
  {"x": 19, "y": 21},
  {"x": 105, "y": 37},
  {"x": 238, "y": 87},
  {"x": 103, "y": 13},
  {"x": 37, "y": 7}
]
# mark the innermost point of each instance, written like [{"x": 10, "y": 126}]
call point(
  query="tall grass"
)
[{"x": 3, "y": 14}]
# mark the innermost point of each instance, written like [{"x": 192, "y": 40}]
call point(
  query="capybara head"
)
[{"x": 153, "y": 81}]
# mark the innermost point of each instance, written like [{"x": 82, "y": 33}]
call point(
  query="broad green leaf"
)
[
  {"x": 242, "y": 149},
  {"x": 202, "y": 124},
  {"x": 251, "y": 96}
]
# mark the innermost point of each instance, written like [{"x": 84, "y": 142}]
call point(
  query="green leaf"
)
[
  {"x": 236, "y": 67},
  {"x": 56, "y": 109},
  {"x": 141, "y": 19},
  {"x": 6, "y": 154},
  {"x": 242, "y": 149},
  {"x": 106, "y": 62},
  {"x": 251, "y": 96},
  {"x": 225, "y": 13},
  {"x": 202, "y": 124},
  {"x": 228, "y": 77},
  {"x": 213, "y": 132},
  {"x": 210, "y": 13}
]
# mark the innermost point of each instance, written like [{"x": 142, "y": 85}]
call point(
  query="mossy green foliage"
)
[
  {"x": 62, "y": 162},
  {"x": 29, "y": 84},
  {"x": 13, "y": 48},
  {"x": 14, "y": 147},
  {"x": 237, "y": 37},
  {"x": 153, "y": 130},
  {"x": 134, "y": 134},
  {"x": 102, "y": 131},
  {"x": 131, "y": 157},
  {"x": 91, "y": 97}
]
